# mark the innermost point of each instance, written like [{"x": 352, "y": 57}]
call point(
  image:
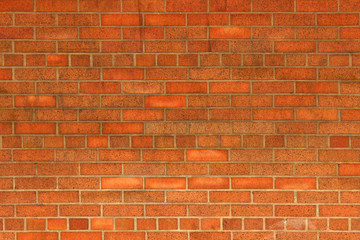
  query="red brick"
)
[
  {"x": 165, "y": 47},
  {"x": 296, "y": 235},
  {"x": 35, "y": 224},
  {"x": 316, "y": 6},
  {"x": 35, "y": 183},
  {"x": 22, "y": 5},
  {"x": 349, "y": 197},
  {"x": 102, "y": 60},
  {"x": 168, "y": 224},
  {"x": 78, "y": 46},
  {"x": 189, "y": 224},
  {"x": 186, "y": 197},
  {"x": 144, "y": 196},
  {"x": 56, "y": 6},
  {"x": 349, "y": 5},
  {"x": 78, "y": 20},
  {"x": 339, "y": 60},
  {"x": 6, "y": 74},
  {"x": 128, "y": 46},
  {"x": 78, "y": 224},
  {"x": 315, "y": 169},
  {"x": 252, "y": 73},
  {"x": 17, "y": 197},
  {"x": 210, "y": 224},
  {"x": 56, "y": 33},
  {"x": 75, "y": 142},
  {"x": 143, "y": 33},
  {"x": 337, "y": 235},
  {"x": 295, "y": 73},
  {"x": 6, "y": 19},
  {"x": 145, "y": 60},
  {"x": 125, "y": 235},
  {"x": 318, "y": 197},
  {"x": 100, "y": 169},
  {"x": 208, "y": 183},
  {"x": 164, "y": 73},
  {"x": 207, "y": 19},
  {"x": 124, "y": 224},
  {"x": 319, "y": 87},
  {"x": 36, "y": 211},
  {"x": 164, "y": 142},
  {"x": 210, "y": 235},
  {"x": 339, "y": 141},
  {"x": 186, "y": 6},
  {"x": 35, "y": 101},
  {"x": 338, "y": 211},
  {"x": 273, "y": 197},
  {"x": 99, "y": 6},
  {"x": 11, "y": 60},
  {"x": 338, "y": 46},
  {"x": 273, "y": 114},
  {"x": 143, "y": 6},
  {"x": 295, "y": 46},
  {"x": 163, "y": 155},
  {"x": 58, "y": 197},
  {"x": 274, "y": 87},
  {"x": 233, "y": 6},
  {"x": 208, "y": 46},
  {"x": 279, "y": 6},
  {"x": 114, "y": 128},
  {"x": 37, "y": 235},
  {"x": 117, "y": 155},
  {"x": 229, "y": 196},
  {"x": 252, "y": 210},
  {"x": 82, "y": 61},
  {"x": 35, "y": 74},
  {"x": 79, "y": 210},
  {"x": 294, "y": 19},
  {"x": 33, "y": 155},
  {"x": 316, "y": 114},
  {"x": 57, "y": 169},
  {"x": 81, "y": 235},
  {"x": 186, "y": 87},
  {"x": 79, "y": 128},
  {"x": 295, "y": 101},
  {"x": 122, "y": 74},
  {"x": 185, "y": 33},
  {"x": 295, "y": 210},
  {"x": 6, "y": 128},
  {"x": 275, "y": 60},
  {"x": 16, "y": 33},
  {"x": 349, "y": 169},
  {"x": 79, "y": 183}
]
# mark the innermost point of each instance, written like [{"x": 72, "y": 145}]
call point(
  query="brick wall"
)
[{"x": 179, "y": 119}]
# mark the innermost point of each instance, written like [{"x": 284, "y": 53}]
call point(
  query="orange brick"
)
[
  {"x": 208, "y": 183},
  {"x": 165, "y": 183},
  {"x": 121, "y": 183},
  {"x": 207, "y": 155}
]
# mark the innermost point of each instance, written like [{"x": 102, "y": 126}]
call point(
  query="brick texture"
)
[{"x": 179, "y": 119}]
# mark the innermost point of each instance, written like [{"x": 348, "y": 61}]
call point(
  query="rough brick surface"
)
[{"x": 179, "y": 119}]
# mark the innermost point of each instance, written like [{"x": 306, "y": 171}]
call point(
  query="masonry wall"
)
[{"x": 179, "y": 119}]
